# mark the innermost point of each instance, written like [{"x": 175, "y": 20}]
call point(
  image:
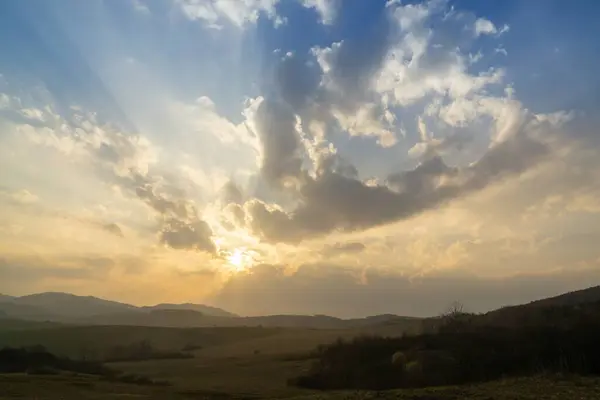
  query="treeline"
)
[
  {"x": 461, "y": 351},
  {"x": 37, "y": 360},
  {"x": 143, "y": 350}
]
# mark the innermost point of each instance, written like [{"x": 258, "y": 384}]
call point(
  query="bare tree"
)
[{"x": 455, "y": 318}]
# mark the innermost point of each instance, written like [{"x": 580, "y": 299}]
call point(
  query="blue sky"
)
[{"x": 218, "y": 141}]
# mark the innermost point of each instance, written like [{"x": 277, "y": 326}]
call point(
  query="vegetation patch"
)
[{"x": 458, "y": 353}]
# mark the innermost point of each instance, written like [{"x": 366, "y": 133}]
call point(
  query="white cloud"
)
[
  {"x": 327, "y": 9},
  {"x": 237, "y": 12},
  {"x": 201, "y": 118},
  {"x": 484, "y": 27},
  {"x": 367, "y": 120},
  {"x": 140, "y": 7}
]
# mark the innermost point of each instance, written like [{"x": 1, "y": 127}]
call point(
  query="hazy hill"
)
[
  {"x": 201, "y": 308},
  {"x": 25, "y": 311},
  {"x": 66, "y": 307},
  {"x": 70, "y": 305},
  {"x": 88, "y": 310}
]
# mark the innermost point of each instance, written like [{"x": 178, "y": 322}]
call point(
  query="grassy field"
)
[
  {"x": 234, "y": 363},
  {"x": 84, "y": 388},
  {"x": 94, "y": 342}
]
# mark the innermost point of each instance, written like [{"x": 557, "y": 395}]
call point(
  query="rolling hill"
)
[
  {"x": 88, "y": 310},
  {"x": 66, "y": 307},
  {"x": 201, "y": 308}
]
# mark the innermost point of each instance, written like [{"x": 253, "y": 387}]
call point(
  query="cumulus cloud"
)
[
  {"x": 359, "y": 85},
  {"x": 238, "y": 13},
  {"x": 334, "y": 202},
  {"x": 281, "y": 147},
  {"x": 326, "y": 9},
  {"x": 195, "y": 235},
  {"x": 484, "y": 27}
]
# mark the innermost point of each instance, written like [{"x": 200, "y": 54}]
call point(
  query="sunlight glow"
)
[{"x": 240, "y": 260}]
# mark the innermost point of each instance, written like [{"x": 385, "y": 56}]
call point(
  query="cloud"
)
[
  {"x": 428, "y": 62},
  {"x": 334, "y": 202},
  {"x": 113, "y": 229},
  {"x": 361, "y": 86},
  {"x": 335, "y": 249},
  {"x": 281, "y": 147},
  {"x": 24, "y": 196},
  {"x": 484, "y": 27},
  {"x": 131, "y": 162},
  {"x": 181, "y": 226},
  {"x": 238, "y": 13},
  {"x": 341, "y": 291},
  {"x": 140, "y": 7},
  {"x": 187, "y": 236},
  {"x": 327, "y": 9}
]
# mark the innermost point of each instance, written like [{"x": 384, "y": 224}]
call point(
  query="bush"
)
[
  {"x": 38, "y": 360},
  {"x": 453, "y": 356}
]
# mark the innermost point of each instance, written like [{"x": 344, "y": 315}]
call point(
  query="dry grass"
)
[{"x": 65, "y": 387}]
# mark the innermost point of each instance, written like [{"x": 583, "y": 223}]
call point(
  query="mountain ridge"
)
[{"x": 90, "y": 310}]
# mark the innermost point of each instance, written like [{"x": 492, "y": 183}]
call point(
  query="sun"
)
[{"x": 239, "y": 259}]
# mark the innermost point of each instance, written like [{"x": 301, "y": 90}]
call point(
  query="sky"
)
[{"x": 340, "y": 157}]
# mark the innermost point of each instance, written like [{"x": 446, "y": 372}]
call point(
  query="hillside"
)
[
  {"x": 89, "y": 310},
  {"x": 589, "y": 295},
  {"x": 201, "y": 308},
  {"x": 553, "y": 310},
  {"x": 66, "y": 307},
  {"x": 70, "y": 305}
]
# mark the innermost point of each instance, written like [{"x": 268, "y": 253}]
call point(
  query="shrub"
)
[{"x": 455, "y": 356}]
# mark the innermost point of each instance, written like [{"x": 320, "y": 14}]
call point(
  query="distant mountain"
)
[
  {"x": 66, "y": 307},
  {"x": 70, "y": 305},
  {"x": 201, "y": 308},
  {"x": 25, "y": 311},
  {"x": 87, "y": 310}
]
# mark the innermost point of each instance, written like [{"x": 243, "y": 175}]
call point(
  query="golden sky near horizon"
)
[{"x": 185, "y": 151}]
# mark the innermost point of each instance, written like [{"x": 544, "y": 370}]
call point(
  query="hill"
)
[
  {"x": 201, "y": 308},
  {"x": 589, "y": 295},
  {"x": 66, "y": 307},
  {"x": 89, "y": 310},
  {"x": 557, "y": 310},
  {"x": 70, "y": 305}
]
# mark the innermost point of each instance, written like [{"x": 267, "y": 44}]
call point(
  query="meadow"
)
[{"x": 266, "y": 363}]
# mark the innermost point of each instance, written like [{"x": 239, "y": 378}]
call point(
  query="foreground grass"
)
[
  {"x": 534, "y": 388},
  {"x": 67, "y": 387}
]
